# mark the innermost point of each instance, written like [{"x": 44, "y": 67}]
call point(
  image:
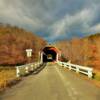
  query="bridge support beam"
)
[
  {"x": 57, "y": 57},
  {"x": 41, "y": 57}
]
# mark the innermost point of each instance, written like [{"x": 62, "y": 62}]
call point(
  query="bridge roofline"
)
[{"x": 53, "y": 47}]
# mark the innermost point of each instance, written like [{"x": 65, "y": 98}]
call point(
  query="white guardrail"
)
[
  {"x": 82, "y": 69},
  {"x": 26, "y": 69}
]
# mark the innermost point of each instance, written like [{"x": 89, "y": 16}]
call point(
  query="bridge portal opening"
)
[{"x": 49, "y": 54}]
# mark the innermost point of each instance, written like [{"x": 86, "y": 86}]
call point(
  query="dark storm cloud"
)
[{"x": 53, "y": 19}]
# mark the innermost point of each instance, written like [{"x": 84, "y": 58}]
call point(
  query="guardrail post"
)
[
  {"x": 26, "y": 69},
  {"x": 77, "y": 70},
  {"x": 69, "y": 67},
  {"x": 64, "y": 66},
  {"x": 32, "y": 67},
  {"x": 90, "y": 74},
  {"x": 17, "y": 72}
]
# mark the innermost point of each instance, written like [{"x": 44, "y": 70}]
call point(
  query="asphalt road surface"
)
[{"x": 53, "y": 83}]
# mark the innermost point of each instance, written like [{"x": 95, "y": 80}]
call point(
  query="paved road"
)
[{"x": 53, "y": 83}]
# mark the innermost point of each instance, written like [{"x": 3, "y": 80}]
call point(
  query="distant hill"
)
[
  {"x": 84, "y": 51},
  {"x": 13, "y": 43}
]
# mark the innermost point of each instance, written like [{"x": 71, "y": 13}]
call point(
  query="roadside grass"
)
[
  {"x": 7, "y": 74},
  {"x": 97, "y": 75}
]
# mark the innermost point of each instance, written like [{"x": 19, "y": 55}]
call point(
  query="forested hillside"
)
[
  {"x": 13, "y": 43},
  {"x": 84, "y": 51}
]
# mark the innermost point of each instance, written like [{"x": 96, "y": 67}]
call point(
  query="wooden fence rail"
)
[
  {"x": 79, "y": 69},
  {"x": 26, "y": 69}
]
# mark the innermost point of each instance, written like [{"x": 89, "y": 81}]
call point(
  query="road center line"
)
[{"x": 71, "y": 91}]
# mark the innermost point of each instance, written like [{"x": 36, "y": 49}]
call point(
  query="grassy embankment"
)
[
  {"x": 7, "y": 77},
  {"x": 96, "y": 77}
]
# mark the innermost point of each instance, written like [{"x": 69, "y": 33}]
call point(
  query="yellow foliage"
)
[{"x": 6, "y": 75}]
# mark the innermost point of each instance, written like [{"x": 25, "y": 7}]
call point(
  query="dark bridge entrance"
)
[{"x": 49, "y": 54}]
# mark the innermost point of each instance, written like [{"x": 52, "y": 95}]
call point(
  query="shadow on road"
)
[{"x": 39, "y": 69}]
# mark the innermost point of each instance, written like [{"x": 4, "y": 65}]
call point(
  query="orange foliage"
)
[
  {"x": 85, "y": 51},
  {"x": 13, "y": 43}
]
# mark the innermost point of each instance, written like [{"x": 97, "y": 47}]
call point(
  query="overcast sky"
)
[{"x": 53, "y": 19}]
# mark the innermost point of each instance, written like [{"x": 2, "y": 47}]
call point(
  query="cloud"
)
[
  {"x": 80, "y": 21},
  {"x": 53, "y": 19},
  {"x": 95, "y": 28},
  {"x": 14, "y": 14},
  {"x": 78, "y": 24}
]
